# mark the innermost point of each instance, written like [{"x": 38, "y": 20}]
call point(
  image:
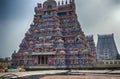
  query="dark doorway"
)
[
  {"x": 39, "y": 59},
  {"x": 42, "y": 59}
]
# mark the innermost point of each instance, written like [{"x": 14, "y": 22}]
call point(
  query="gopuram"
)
[
  {"x": 106, "y": 47},
  {"x": 55, "y": 38}
]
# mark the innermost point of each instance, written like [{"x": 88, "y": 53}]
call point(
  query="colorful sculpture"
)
[{"x": 55, "y": 38}]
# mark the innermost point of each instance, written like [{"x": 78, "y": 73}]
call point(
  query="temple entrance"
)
[{"x": 43, "y": 60}]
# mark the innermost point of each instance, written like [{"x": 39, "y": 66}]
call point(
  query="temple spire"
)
[
  {"x": 66, "y": 2},
  {"x": 62, "y": 2},
  {"x": 73, "y": 1},
  {"x": 39, "y": 5},
  {"x": 14, "y": 51},
  {"x": 70, "y": 1},
  {"x": 58, "y": 2}
]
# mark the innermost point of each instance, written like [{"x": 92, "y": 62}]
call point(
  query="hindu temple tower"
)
[
  {"x": 106, "y": 47},
  {"x": 55, "y": 38}
]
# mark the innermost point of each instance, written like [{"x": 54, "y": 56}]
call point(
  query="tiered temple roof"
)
[
  {"x": 55, "y": 38},
  {"x": 106, "y": 47}
]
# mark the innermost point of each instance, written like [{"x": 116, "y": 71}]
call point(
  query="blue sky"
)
[{"x": 95, "y": 16}]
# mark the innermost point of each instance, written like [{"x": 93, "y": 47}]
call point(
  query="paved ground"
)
[
  {"x": 27, "y": 73},
  {"x": 98, "y": 71},
  {"x": 78, "y": 77},
  {"x": 88, "y": 74}
]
